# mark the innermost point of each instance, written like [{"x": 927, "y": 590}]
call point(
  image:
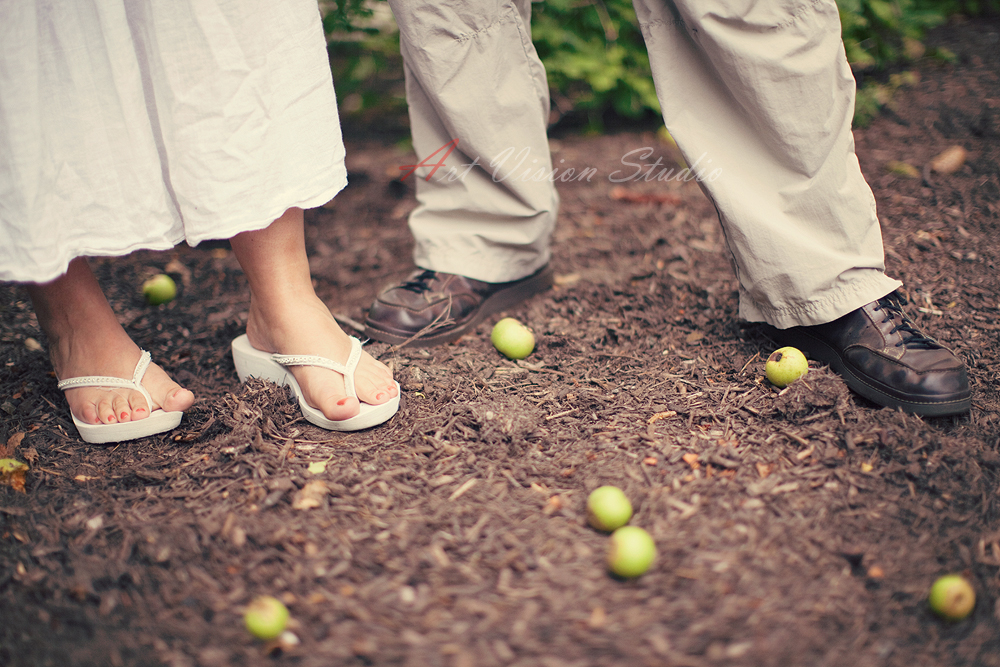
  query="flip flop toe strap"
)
[
  {"x": 107, "y": 381},
  {"x": 347, "y": 370}
]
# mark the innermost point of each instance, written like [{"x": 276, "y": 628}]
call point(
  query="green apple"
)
[
  {"x": 512, "y": 339},
  {"x": 632, "y": 552},
  {"x": 266, "y": 617},
  {"x": 952, "y": 597},
  {"x": 159, "y": 289},
  {"x": 608, "y": 508},
  {"x": 785, "y": 366}
]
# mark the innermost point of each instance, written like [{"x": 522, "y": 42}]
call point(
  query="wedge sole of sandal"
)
[{"x": 158, "y": 421}]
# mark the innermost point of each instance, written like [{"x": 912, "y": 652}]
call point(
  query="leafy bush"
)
[
  {"x": 882, "y": 34},
  {"x": 878, "y": 33},
  {"x": 363, "y": 43},
  {"x": 594, "y": 56},
  {"x": 596, "y": 59},
  {"x": 345, "y": 16}
]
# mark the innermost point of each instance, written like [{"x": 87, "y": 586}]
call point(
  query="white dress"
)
[{"x": 128, "y": 124}]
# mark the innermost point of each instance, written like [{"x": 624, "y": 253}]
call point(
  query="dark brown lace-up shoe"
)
[
  {"x": 431, "y": 308},
  {"x": 881, "y": 355}
]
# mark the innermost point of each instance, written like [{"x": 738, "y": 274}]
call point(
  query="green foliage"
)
[
  {"x": 867, "y": 104},
  {"x": 594, "y": 55},
  {"x": 363, "y": 44},
  {"x": 344, "y": 16},
  {"x": 873, "y": 96},
  {"x": 878, "y": 33}
]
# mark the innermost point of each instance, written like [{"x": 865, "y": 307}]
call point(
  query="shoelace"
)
[
  {"x": 913, "y": 338},
  {"x": 420, "y": 283}
]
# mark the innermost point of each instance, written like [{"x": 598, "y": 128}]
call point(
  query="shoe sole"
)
[
  {"x": 158, "y": 421},
  {"x": 820, "y": 351},
  {"x": 495, "y": 303}
]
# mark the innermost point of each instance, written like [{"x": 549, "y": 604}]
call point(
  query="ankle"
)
[
  {"x": 92, "y": 351},
  {"x": 272, "y": 323}
]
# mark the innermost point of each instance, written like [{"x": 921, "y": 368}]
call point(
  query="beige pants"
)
[
  {"x": 761, "y": 92},
  {"x": 472, "y": 74}
]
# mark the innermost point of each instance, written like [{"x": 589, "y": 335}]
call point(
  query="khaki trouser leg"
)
[
  {"x": 762, "y": 93},
  {"x": 472, "y": 74}
]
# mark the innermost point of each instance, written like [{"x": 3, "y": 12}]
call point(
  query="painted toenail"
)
[
  {"x": 342, "y": 401},
  {"x": 124, "y": 414}
]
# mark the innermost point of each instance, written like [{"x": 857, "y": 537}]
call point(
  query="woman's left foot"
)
[{"x": 308, "y": 328}]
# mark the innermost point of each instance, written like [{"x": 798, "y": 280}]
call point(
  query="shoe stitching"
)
[
  {"x": 900, "y": 364},
  {"x": 875, "y": 388},
  {"x": 416, "y": 311},
  {"x": 873, "y": 351},
  {"x": 882, "y": 392}
]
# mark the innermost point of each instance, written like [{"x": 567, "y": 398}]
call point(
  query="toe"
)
[
  {"x": 122, "y": 409},
  {"x": 324, "y": 390},
  {"x": 166, "y": 393},
  {"x": 338, "y": 408},
  {"x": 106, "y": 410},
  {"x": 88, "y": 413},
  {"x": 179, "y": 400},
  {"x": 383, "y": 392},
  {"x": 138, "y": 406},
  {"x": 373, "y": 381}
]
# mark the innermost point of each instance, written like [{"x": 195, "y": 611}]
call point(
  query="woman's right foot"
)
[
  {"x": 112, "y": 405},
  {"x": 85, "y": 339}
]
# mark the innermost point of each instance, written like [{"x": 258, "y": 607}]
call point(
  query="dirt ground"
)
[{"x": 795, "y": 527}]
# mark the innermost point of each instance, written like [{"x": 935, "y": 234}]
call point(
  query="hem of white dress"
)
[
  {"x": 60, "y": 266},
  {"x": 225, "y": 231},
  {"x": 231, "y": 229}
]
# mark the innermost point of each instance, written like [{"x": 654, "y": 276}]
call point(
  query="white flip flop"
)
[
  {"x": 158, "y": 420},
  {"x": 251, "y": 362}
]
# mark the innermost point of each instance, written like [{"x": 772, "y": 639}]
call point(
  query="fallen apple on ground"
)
[
  {"x": 266, "y": 617},
  {"x": 161, "y": 288},
  {"x": 785, "y": 366},
  {"x": 608, "y": 508},
  {"x": 952, "y": 597},
  {"x": 632, "y": 552},
  {"x": 512, "y": 339}
]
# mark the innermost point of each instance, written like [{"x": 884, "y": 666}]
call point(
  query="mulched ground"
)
[{"x": 795, "y": 527}]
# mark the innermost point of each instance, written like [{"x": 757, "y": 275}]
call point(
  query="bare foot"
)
[
  {"x": 307, "y": 327},
  {"x": 115, "y": 358},
  {"x": 85, "y": 339},
  {"x": 287, "y": 317}
]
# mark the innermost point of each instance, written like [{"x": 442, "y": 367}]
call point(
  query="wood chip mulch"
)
[{"x": 801, "y": 526}]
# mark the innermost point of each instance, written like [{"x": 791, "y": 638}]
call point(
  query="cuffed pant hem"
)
[
  {"x": 491, "y": 267},
  {"x": 827, "y": 307}
]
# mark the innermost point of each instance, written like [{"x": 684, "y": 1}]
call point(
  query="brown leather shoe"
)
[
  {"x": 881, "y": 355},
  {"x": 431, "y": 308}
]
